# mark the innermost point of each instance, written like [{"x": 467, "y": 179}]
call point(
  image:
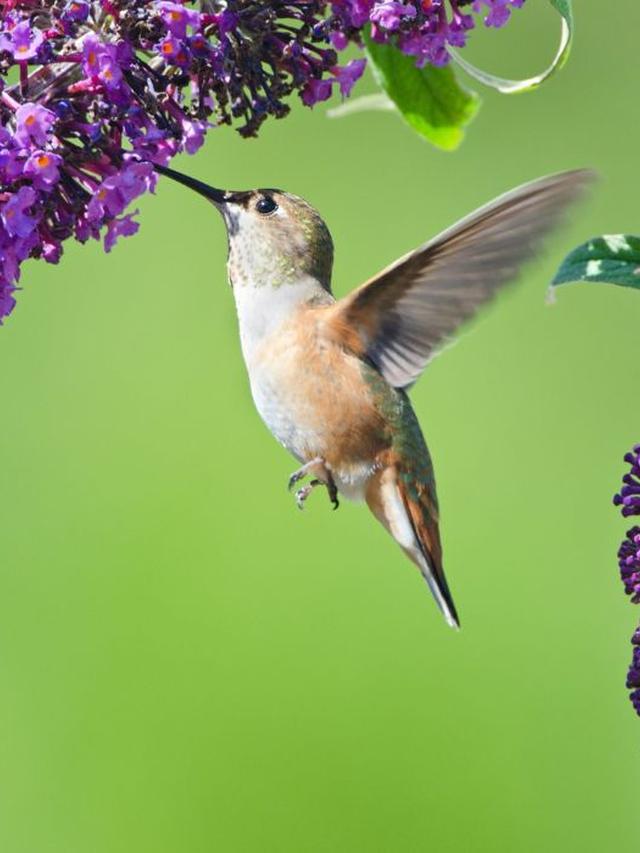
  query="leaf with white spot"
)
[
  {"x": 511, "y": 87},
  {"x": 611, "y": 259}
]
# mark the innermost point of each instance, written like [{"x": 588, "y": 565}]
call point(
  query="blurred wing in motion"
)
[{"x": 410, "y": 309}]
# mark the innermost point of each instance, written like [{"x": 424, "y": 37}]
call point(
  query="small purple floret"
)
[
  {"x": 33, "y": 124},
  {"x": 178, "y": 17},
  {"x": 389, "y": 15},
  {"x": 14, "y": 215},
  {"x": 44, "y": 169},
  {"x": 348, "y": 75},
  {"x": 123, "y": 226},
  {"x": 499, "y": 11},
  {"x": 21, "y": 42},
  {"x": 76, "y": 11},
  {"x": 316, "y": 91}
]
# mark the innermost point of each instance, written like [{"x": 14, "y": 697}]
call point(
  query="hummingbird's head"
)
[{"x": 275, "y": 237}]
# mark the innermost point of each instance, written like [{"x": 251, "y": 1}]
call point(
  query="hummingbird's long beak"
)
[{"x": 215, "y": 195}]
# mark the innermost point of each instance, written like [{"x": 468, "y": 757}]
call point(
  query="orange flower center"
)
[{"x": 43, "y": 161}]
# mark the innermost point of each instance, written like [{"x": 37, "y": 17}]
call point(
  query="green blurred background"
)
[{"x": 187, "y": 663}]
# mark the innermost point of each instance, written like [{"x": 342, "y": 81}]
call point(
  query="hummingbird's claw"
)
[
  {"x": 293, "y": 479},
  {"x": 315, "y": 466},
  {"x": 303, "y": 493},
  {"x": 333, "y": 493},
  {"x": 322, "y": 478}
]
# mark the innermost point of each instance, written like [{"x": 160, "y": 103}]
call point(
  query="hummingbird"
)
[{"x": 330, "y": 377}]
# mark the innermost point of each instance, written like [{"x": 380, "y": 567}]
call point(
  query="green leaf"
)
[
  {"x": 510, "y": 87},
  {"x": 429, "y": 99},
  {"x": 612, "y": 259}
]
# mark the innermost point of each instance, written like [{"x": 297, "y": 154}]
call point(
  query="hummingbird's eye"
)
[{"x": 266, "y": 205}]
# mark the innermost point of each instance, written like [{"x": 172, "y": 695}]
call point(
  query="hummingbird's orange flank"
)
[{"x": 330, "y": 378}]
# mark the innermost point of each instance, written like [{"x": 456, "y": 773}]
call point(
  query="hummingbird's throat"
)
[{"x": 292, "y": 246}]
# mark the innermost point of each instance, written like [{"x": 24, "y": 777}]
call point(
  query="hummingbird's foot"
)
[
  {"x": 315, "y": 467},
  {"x": 303, "y": 493},
  {"x": 332, "y": 491},
  {"x": 322, "y": 477}
]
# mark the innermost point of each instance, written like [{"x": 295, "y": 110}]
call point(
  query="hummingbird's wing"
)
[{"x": 407, "y": 312}]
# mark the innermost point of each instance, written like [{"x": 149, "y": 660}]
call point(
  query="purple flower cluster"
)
[
  {"x": 629, "y": 562},
  {"x": 628, "y": 499},
  {"x": 427, "y": 29},
  {"x": 633, "y": 676},
  {"x": 93, "y": 92}
]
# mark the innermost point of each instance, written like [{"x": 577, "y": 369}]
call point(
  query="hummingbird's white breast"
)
[
  {"x": 310, "y": 394},
  {"x": 263, "y": 309},
  {"x": 274, "y": 363}
]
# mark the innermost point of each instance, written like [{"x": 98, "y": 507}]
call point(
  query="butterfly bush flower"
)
[
  {"x": 21, "y": 42},
  {"x": 629, "y": 562},
  {"x": 94, "y": 92},
  {"x": 633, "y": 677},
  {"x": 628, "y": 499}
]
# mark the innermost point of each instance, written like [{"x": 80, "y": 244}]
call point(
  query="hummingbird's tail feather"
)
[{"x": 406, "y": 510}]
